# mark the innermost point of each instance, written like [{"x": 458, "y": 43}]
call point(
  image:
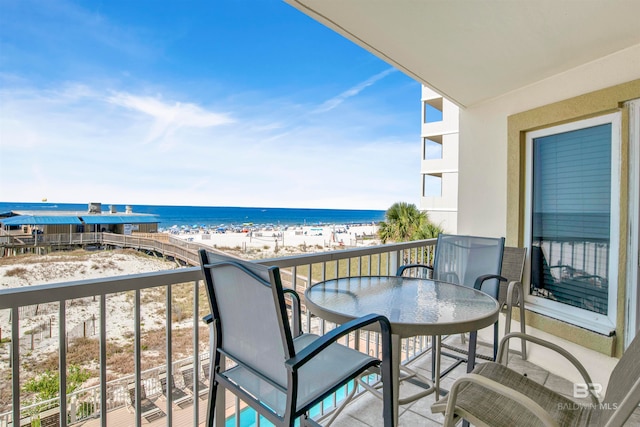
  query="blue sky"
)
[{"x": 213, "y": 103}]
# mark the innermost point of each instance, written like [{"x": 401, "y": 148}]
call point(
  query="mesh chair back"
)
[
  {"x": 462, "y": 259},
  {"x": 512, "y": 269},
  {"x": 249, "y": 313},
  {"x": 623, "y": 383}
]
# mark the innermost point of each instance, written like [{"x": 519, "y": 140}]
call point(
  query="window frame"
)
[
  {"x": 632, "y": 320},
  {"x": 604, "y": 324}
]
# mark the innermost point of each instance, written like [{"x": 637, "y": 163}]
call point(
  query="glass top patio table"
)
[{"x": 413, "y": 306}]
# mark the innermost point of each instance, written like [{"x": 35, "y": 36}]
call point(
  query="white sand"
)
[
  {"x": 293, "y": 240},
  {"x": 58, "y": 267},
  {"x": 24, "y": 271}
]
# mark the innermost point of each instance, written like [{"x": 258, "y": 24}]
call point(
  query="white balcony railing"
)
[{"x": 145, "y": 292}]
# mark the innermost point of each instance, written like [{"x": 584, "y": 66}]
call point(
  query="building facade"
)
[{"x": 439, "y": 162}]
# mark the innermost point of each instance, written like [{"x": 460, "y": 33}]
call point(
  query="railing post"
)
[
  {"x": 72, "y": 410},
  {"x": 394, "y": 262}
]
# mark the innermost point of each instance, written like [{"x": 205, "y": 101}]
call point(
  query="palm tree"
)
[
  {"x": 428, "y": 231},
  {"x": 404, "y": 222}
]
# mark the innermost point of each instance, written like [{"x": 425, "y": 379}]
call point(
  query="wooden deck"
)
[
  {"x": 181, "y": 416},
  {"x": 363, "y": 411}
]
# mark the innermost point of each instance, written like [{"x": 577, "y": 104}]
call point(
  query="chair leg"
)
[
  {"x": 516, "y": 287},
  {"x": 522, "y": 321},
  {"x": 471, "y": 359},
  {"x": 211, "y": 406},
  {"x": 507, "y": 319},
  {"x": 388, "y": 371},
  {"x": 495, "y": 340},
  {"x": 433, "y": 358}
]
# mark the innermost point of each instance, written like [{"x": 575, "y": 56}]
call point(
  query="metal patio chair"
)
[
  {"x": 279, "y": 371},
  {"x": 178, "y": 396},
  {"x": 494, "y": 395},
  {"x": 471, "y": 261},
  {"x": 510, "y": 294},
  {"x": 511, "y": 291},
  {"x": 149, "y": 410},
  {"x": 187, "y": 377}
]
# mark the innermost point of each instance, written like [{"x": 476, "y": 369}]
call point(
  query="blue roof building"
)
[{"x": 18, "y": 223}]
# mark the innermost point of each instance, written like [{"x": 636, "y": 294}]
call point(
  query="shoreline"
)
[{"x": 273, "y": 240}]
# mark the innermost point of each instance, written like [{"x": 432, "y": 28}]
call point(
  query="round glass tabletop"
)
[{"x": 413, "y": 306}]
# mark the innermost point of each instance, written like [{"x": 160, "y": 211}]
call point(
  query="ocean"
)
[{"x": 216, "y": 215}]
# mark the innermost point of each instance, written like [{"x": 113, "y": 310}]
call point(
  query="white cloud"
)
[
  {"x": 353, "y": 91},
  {"x": 169, "y": 117},
  {"x": 88, "y": 145}
]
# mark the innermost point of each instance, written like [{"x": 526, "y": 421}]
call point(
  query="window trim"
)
[
  {"x": 604, "y": 324},
  {"x": 632, "y": 321}
]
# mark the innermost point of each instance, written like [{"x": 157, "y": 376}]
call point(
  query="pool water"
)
[{"x": 248, "y": 415}]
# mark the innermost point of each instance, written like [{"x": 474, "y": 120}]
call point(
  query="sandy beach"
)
[
  {"x": 29, "y": 270},
  {"x": 270, "y": 242}
]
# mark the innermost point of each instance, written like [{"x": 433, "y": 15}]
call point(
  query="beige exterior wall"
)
[
  {"x": 483, "y": 137},
  {"x": 491, "y": 162}
]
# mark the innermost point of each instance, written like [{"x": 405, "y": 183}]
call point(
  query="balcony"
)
[{"x": 135, "y": 396}]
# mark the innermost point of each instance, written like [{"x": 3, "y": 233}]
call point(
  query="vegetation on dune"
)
[{"x": 47, "y": 385}]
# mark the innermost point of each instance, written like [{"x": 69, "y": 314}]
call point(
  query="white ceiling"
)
[{"x": 471, "y": 51}]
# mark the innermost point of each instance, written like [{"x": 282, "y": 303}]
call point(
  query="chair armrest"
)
[
  {"x": 481, "y": 279},
  {"x": 309, "y": 352},
  {"x": 402, "y": 268},
  {"x": 332, "y": 336},
  {"x": 514, "y": 285},
  {"x": 504, "y": 343},
  {"x": 295, "y": 308},
  {"x": 521, "y": 399}
]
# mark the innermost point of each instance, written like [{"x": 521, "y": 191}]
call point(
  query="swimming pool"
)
[{"x": 248, "y": 415}]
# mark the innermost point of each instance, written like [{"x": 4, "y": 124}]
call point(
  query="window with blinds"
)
[{"x": 571, "y": 217}]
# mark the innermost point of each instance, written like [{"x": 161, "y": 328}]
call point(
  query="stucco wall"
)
[
  {"x": 490, "y": 154},
  {"x": 482, "y": 193}
]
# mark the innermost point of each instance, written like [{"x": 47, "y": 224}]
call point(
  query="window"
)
[
  {"x": 572, "y": 231},
  {"x": 432, "y": 110},
  {"x": 432, "y": 185},
  {"x": 432, "y": 147}
]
